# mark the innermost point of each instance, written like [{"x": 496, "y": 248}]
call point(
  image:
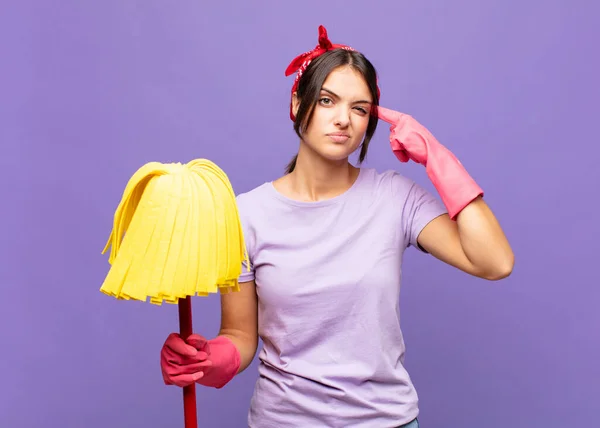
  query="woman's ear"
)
[{"x": 295, "y": 103}]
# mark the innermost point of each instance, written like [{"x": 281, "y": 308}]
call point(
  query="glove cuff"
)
[{"x": 454, "y": 184}]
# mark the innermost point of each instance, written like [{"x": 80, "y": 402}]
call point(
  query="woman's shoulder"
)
[
  {"x": 253, "y": 195},
  {"x": 387, "y": 179}
]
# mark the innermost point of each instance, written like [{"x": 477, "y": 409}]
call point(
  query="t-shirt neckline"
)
[{"x": 324, "y": 202}]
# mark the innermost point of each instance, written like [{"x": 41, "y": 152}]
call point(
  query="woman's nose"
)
[{"x": 342, "y": 118}]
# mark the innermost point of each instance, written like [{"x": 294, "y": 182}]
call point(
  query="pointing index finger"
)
[{"x": 390, "y": 116}]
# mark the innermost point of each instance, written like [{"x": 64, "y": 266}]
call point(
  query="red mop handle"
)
[{"x": 189, "y": 392}]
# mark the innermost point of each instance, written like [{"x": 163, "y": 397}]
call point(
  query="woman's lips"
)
[{"x": 339, "y": 137}]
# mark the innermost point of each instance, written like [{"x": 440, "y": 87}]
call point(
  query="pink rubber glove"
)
[
  {"x": 223, "y": 355},
  {"x": 207, "y": 362},
  {"x": 410, "y": 140},
  {"x": 181, "y": 364}
]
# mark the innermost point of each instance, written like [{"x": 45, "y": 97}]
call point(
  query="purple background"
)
[{"x": 90, "y": 91}]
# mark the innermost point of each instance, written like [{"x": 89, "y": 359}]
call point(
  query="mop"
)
[{"x": 176, "y": 234}]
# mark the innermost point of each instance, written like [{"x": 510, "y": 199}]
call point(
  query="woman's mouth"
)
[{"x": 339, "y": 137}]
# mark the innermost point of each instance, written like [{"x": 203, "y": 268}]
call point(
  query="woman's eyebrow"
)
[{"x": 330, "y": 92}]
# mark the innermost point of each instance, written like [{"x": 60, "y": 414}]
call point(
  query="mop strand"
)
[{"x": 176, "y": 233}]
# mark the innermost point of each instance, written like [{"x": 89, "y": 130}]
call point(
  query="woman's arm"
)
[
  {"x": 239, "y": 321},
  {"x": 469, "y": 236},
  {"x": 474, "y": 243}
]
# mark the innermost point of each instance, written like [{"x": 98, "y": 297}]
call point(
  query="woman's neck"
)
[{"x": 315, "y": 179}]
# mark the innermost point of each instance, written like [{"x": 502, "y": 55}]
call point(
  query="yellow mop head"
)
[{"x": 181, "y": 234}]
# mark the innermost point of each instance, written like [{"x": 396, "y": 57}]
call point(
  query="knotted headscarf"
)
[{"x": 302, "y": 61}]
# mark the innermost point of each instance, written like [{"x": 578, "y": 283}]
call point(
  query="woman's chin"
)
[{"x": 337, "y": 153}]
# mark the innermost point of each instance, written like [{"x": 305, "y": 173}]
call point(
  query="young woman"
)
[{"x": 326, "y": 242}]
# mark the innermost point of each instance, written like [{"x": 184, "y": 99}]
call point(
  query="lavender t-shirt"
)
[{"x": 328, "y": 277}]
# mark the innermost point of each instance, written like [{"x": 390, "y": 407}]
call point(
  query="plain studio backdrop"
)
[{"x": 91, "y": 91}]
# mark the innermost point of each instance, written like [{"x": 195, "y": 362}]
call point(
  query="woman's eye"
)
[
  {"x": 362, "y": 110},
  {"x": 325, "y": 101}
]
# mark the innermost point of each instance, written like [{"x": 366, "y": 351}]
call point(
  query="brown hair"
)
[{"x": 311, "y": 82}]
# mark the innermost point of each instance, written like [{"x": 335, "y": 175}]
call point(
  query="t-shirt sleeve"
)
[
  {"x": 420, "y": 208},
  {"x": 247, "y": 271}
]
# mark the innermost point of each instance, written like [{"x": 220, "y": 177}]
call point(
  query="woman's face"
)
[{"x": 341, "y": 115}]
